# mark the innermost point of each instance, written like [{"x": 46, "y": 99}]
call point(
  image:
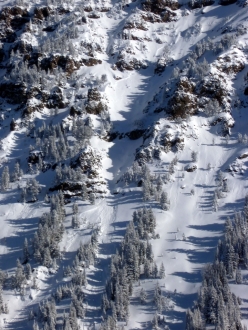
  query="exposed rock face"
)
[
  {"x": 143, "y": 155},
  {"x": 56, "y": 98},
  {"x": 168, "y": 15},
  {"x": 89, "y": 161},
  {"x": 13, "y": 125},
  {"x": 214, "y": 88},
  {"x": 161, "y": 64},
  {"x": 11, "y": 19},
  {"x": 190, "y": 167},
  {"x": 94, "y": 15},
  {"x": 130, "y": 64},
  {"x": 2, "y": 55},
  {"x": 139, "y": 25},
  {"x": 41, "y": 13},
  {"x": 242, "y": 156},
  {"x": 172, "y": 143},
  {"x": 183, "y": 101},
  {"x": 94, "y": 103},
  {"x": 23, "y": 47},
  {"x": 136, "y": 134},
  {"x": 159, "y": 6},
  {"x": 227, "y": 2},
  {"x": 67, "y": 63},
  {"x": 200, "y": 3},
  {"x": 151, "y": 17},
  {"x": 230, "y": 64},
  {"x": 91, "y": 61},
  {"x": 14, "y": 93}
]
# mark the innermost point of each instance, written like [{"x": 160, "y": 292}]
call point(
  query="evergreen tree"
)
[
  {"x": 164, "y": 201},
  {"x": 5, "y": 178},
  {"x": 162, "y": 271},
  {"x": 143, "y": 296},
  {"x": 25, "y": 251}
]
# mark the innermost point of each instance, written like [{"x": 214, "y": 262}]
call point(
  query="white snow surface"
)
[{"x": 189, "y": 214}]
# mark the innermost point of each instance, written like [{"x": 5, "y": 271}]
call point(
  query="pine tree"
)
[
  {"x": 25, "y": 251},
  {"x": 75, "y": 208},
  {"x": 143, "y": 296},
  {"x": 162, "y": 271},
  {"x": 5, "y": 178},
  {"x": 84, "y": 192},
  {"x": 92, "y": 198},
  {"x": 2, "y": 309},
  {"x": 164, "y": 201},
  {"x": 194, "y": 156},
  {"x": 238, "y": 277}
]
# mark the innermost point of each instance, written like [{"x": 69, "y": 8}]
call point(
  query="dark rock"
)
[
  {"x": 213, "y": 87},
  {"x": 134, "y": 64},
  {"x": 161, "y": 64},
  {"x": 74, "y": 112},
  {"x": 245, "y": 155},
  {"x": 50, "y": 28},
  {"x": 65, "y": 62},
  {"x": 13, "y": 125},
  {"x": 246, "y": 91},
  {"x": 183, "y": 101},
  {"x": 143, "y": 155},
  {"x": 33, "y": 158},
  {"x": 136, "y": 134},
  {"x": 158, "y": 6},
  {"x": 88, "y": 9},
  {"x": 28, "y": 110},
  {"x": 230, "y": 64},
  {"x": 88, "y": 161},
  {"x": 227, "y": 2},
  {"x": 17, "y": 22},
  {"x": 168, "y": 16},
  {"x": 150, "y": 17},
  {"x": 70, "y": 186},
  {"x": 135, "y": 25},
  {"x": 23, "y": 47},
  {"x": 94, "y": 104},
  {"x": 94, "y": 95},
  {"x": 42, "y": 12},
  {"x": 200, "y": 3},
  {"x": 55, "y": 98},
  {"x": 2, "y": 55},
  {"x": 94, "y": 15},
  {"x": 190, "y": 167},
  {"x": 91, "y": 61},
  {"x": 111, "y": 136},
  {"x": 172, "y": 143},
  {"x": 14, "y": 93}
]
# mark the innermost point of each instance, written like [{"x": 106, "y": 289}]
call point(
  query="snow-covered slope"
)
[{"x": 104, "y": 105}]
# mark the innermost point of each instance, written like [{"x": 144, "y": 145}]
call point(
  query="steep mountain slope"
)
[{"x": 104, "y": 106}]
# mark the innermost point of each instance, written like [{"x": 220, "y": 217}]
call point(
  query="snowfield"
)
[{"x": 136, "y": 119}]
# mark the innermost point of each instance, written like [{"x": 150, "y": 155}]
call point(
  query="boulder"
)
[{"x": 190, "y": 167}]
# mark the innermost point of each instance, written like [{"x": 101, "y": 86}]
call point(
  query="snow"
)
[{"x": 127, "y": 98}]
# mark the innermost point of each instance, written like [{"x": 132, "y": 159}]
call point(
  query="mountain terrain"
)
[{"x": 123, "y": 164}]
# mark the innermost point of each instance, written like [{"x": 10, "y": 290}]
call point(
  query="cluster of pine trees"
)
[
  {"x": 50, "y": 231},
  {"x": 233, "y": 249},
  {"x": 47, "y": 314},
  {"x": 52, "y": 142},
  {"x": 152, "y": 185},
  {"x": 216, "y": 304},
  {"x": 132, "y": 260},
  {"x": 222, "y": 188},
  {"x": 31, "y": 191}
]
